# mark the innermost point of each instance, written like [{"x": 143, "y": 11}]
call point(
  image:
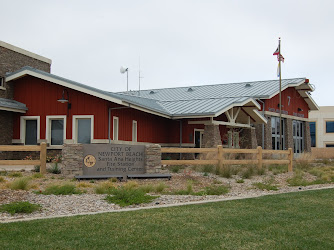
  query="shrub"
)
[
  {"x": 175, "y": 169},
  {"x": 216, "y": 190},
  {"x": 148, "y": 188},
  {"x": 84, "y": 185},
  {"x": 208, "y": 169},
  {"x": 37, "y": 168},
  {"x": 215, "y": 181},
  {"x": 104, "y": 187},
  {"x": 54, "y": 169},
  {"x": 20, "y": 207},
  {"x": 125, "y": 197},
  {"x": 240, "y": 181},
  {"x": 2, "y": 179},
  {"x": 15, "y": 174},
  {"x": 131, "y": 185},
  {"x": 187, "y": 191},
  {"x": 65, "y": 189},
  {"x": 21, "y": 183},
  {"x": 226, "y": 171}
]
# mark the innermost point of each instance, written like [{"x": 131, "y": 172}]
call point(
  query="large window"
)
[
  {"x": 298, "y": 136},
  {"x": 83, "y": 127},
  {"x": 313, "y": 134},
  {"x": 275, "y": 133},
  {"x": 330, "y": 127}
]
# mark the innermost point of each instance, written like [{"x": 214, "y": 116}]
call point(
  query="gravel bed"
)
[{"x": 67, "y": 205}]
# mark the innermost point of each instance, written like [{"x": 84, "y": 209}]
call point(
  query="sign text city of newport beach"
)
[{"x": 113, "y": 159}]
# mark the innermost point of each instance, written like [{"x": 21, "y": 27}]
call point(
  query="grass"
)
[
  {"x": 265, "y": 186},
  {"x": 65, "y": 189},
  {"x": 21, "y": 183},
  {"x": 301, "y": 220},
  {"x": 104, "y": 187},
  {"x": 21, "y": 207},
  {"x": 54, "y": 169},
  {"x": 15, "y": 174},
  {"x": 124, "y": 196}
]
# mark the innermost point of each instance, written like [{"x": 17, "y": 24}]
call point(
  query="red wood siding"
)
[{"x": 296, "y": 101}]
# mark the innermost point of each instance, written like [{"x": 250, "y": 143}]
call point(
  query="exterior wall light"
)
[
  {"x": 64, "y": 100},
  {"x": 299, "y": 109}
]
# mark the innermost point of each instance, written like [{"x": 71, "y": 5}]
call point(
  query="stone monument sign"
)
[{"x": 113, "y": 159}]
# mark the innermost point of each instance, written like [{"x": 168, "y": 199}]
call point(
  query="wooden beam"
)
[{"x": 247, "y": 114}]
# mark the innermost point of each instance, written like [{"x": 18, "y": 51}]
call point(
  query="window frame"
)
[
  {"x": 75, "y": 119},
  {"x": 315, "y": 133},
  {"x": 134, "y": 131},
  {"x": 201, "y": 133},
  {"x": 2, "y": 83},
  {"x": 23, "y": 127},
  {"x": 326, "y": 126},
  {"x": 49, "y": 119},
  {"x": 115, "y": 137},
  {"x": 276, "y": 136}
]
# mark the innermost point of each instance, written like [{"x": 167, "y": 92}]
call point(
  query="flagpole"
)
[{"x": 280, "y": 94}]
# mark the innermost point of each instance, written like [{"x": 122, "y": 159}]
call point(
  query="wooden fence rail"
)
[
  {"x": 41, "y": 161},
  {"x": 220, "y": 158}
]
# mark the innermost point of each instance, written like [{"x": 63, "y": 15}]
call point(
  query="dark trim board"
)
[
  {"x": 149, "y": 176},
  {"x": 121, "y": 177},
  {"x": 88, "y": 177}
]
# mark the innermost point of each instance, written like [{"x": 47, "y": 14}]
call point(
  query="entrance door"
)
[{"x": 198, "y": 138}]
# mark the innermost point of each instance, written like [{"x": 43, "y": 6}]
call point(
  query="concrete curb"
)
[{"x": 160, "y": 206}]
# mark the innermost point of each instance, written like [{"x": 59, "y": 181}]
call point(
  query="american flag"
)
[{"x": 279, "y": 56}]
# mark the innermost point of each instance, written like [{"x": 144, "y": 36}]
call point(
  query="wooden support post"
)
[
  {"x": 290, "y": 157},
  {"x": 259, "y": 157},
  {"x": 42, "y": 158},
  {"x": 220, "y": 157}
]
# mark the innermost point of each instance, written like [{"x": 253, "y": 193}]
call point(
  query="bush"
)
[
  {"x": 21, "y": 183},
  {"x": 209, "y": 168},
  {"x": 54, "y": 169},
  {"x": 65, "y": 189},
  {"x": 2, "y": 179},
  {"x": 160, "y": 187},
  {"x": 175, "y": 169},
  {"x": 15, "y": 174},
  {"x": 240, "y": 181},
  {"x": 125, "y": 197},
  {"x": 225, "y": 171},
  {"x": 3, "y": 173},
  {"x": 248, "y": 172},
  {"x": 20, "y": 207},
  {"x": 37, "y": 168},
  {"x": 37, "y": 175}
]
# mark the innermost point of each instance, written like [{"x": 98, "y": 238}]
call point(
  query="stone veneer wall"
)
[
  {"x": 288, "y": 133},
  {"x": 72, "y": 159},
  {"x": 248, "y": 138},
  {"x": 267, "y": 133},
  {"x": 211, "y": 136},
  {"x": 11, "y": 61},
  {"x": 307, "y": 137}
]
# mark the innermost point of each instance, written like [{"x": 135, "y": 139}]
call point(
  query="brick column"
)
[
  {"x": 211, "y": 136},
  {"x": 307, "y": 137},
  {"x": 153, "y": 158},
  {"x": 248, "y": 138},
  {"x": 288, "y": 133},
  {"x": 6, "y": 132}
]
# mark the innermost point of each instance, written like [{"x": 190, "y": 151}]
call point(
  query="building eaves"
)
[{"x": 12, "y": 105}]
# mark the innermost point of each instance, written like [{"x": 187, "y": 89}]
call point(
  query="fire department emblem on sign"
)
[{"x": 89, "y": 161}]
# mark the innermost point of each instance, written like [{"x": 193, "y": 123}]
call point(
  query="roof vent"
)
[
  {"x": 190, "y": 90},
  {"x": 152, "y": 92},
  {"x": 248, "y": 85}
]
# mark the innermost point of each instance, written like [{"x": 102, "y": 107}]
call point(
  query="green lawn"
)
[{"x": 302, "y": 220}]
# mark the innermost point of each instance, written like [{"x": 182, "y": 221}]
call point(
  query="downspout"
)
[
  {"x": 263, "y": 109},
  {"x": 180, "y": 137}
]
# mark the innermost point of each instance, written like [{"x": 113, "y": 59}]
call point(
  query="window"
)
[
  {"x": 198, "y": 138},
  {"x": 2, "y": 82},
  {"x": 83, "y": 128},
  {"x": 330, "y": 127},
  {"x": 275, "y": 133},
  {"x": 29, "y": 130},
  {"x": 115, "y": 128},
  {"x": 56, "y": 130},
  {"x": 298, "y": 136},
  {"x": 329, "y": 145},
  {"x": 313, "y": 134},
  {"x": 134, "y": 130}
]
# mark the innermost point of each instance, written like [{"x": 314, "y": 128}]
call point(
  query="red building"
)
[{"x": 49, "y": 108}]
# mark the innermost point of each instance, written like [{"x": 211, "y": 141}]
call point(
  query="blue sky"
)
[{"x": 180, "y": 43}]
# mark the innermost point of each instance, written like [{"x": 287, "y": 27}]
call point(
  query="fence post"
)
[
  {"x": 290, "y": 155},
  {"x": 259, "y": 157},
  {"x": 42, "y": 157},
  {"x": 220, "y": 157}
]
